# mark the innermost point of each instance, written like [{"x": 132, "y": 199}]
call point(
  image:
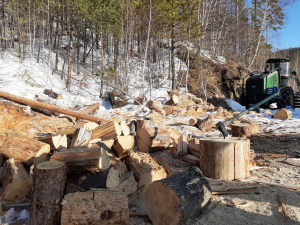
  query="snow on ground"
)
[{"x": 29, "y": 79}]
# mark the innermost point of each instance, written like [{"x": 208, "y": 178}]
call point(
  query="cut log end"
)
[{"x": 50, "y": 165}]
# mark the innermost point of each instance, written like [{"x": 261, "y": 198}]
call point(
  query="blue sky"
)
[{"x": 290, "y": 33}]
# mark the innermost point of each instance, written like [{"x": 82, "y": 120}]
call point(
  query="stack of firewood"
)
[{"x": 85, "y": 172}]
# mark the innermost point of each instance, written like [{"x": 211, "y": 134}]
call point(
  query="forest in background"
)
[{"x": 78, "y": 30}]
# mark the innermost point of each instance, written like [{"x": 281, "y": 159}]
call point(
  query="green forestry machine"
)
[
  {"x": 275, "y": 79},
  {"x": 263, "y": 89}
]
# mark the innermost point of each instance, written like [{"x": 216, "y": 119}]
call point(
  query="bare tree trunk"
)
[{"x": 70, "y": 48}]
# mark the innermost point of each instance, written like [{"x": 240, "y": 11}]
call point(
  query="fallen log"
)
[
  {"x": 244, "y": 129},
  {"x": 52, "y": 108},
  {"x": 191, "y": 159},
  {"x": 49, "y": 182},
  {"x": 23, "y": 149},
  {"x": 226, "y": 159},
  {"x": 152, "y": 139},
  {"x": 116, "y": 99},
  {"x": 15, "y": 180},
  {"x": 206, "y": 123},
  {"x": 155, "y": 106},
  {"x": 178, "y": 198},
  {"x": 147, "y": 169},
  {"x": 90, "y": 109},
  {"x": 168, "y": 109},
  {"x": 95, "y": 207},
  {"x": 174, "y": 98}
]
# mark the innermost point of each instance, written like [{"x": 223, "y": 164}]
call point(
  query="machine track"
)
[{"x": 297, "y": 99}]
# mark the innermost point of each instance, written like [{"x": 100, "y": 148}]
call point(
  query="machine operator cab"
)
[{"x": 283, "y": 65}]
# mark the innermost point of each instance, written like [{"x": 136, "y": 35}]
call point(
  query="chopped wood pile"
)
[{"x": 90, "y": 169}]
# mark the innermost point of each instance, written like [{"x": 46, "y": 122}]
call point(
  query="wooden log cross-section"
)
[
  {"x": 178, "y": 199},
  {"x": 226, "y": 159},
  {"x": 23, "y": 149},
  {"x": 49, "y": 183},
  {"x": 52, "y": 108}
]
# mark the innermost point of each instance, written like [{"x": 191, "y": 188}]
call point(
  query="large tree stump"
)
[
  {"x": 153, "y": 138},
  {"x": 95, "y": 208},
  {"x": 147, "y": 169},
  {"x": 178, "y": 198},
  {"x": 225, "y": 159},
  {"x": 23, "y": 149},
  {"x": 49, "y": 183},
  {"x": 16, "y": 183}
]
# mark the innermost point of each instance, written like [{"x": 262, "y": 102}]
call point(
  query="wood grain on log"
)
[
  {"x": 177, "y": 199},
  {"x": 49, "y": 182},
  {"x": 52, "y": 108},
  {"x": 23, "y": 149},
  {"x": 95, "y": 207},
  {"x": 57, "y": 142},
  {"x": 104, "y": 130},
  {"x": 225, "y": 159}
]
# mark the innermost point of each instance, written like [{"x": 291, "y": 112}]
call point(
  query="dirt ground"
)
[{"x": 270, "y": 176}]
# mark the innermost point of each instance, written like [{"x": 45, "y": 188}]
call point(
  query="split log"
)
[
  {"x": 23, "y": 149},
  {"x": 16, "y": 183},
  {"x": 241, "y": 130},
  {"x": 181, "y": 146},
  {"x": 122, "y": 145},
  {"x": 81, "y": 138},
  {"x": 194, "y": 148},
  {"x": 225, "y": 159},
  {"x": 140, "y": 100},
  {"x": 174, "y": 98},
  {"x": 220, "y": 111},
  {"x": 155, "y": 106},
  {"x": 95, "y": 207},
  {"x": 57, "y": 142},
  {"x": 164, "y": 164},
  {"x": 90, "y": 125},
  {"x": 147, "y": 169},
  {"x": 80, "y": 160},
  {"x": 1, "y": 159},
  {"x": 52, "y": 108},
  {"x": 85, "y": 181},
  {"x": 117, "y": 99},
  {"x": 124, "y": 128},
  {"x": 113, "y": 178},
  {"x": 152, "y": 139},
  {"x": 177, "y": 199},
  {"x": 144, "y": 124},
  {"x": 128, "y": 183},
  {"x": 52, "y": 94},
  {"x": 191, "y": 159},
  {"x": 49, "y": 182},
  {"x": 105, "y": 132},
  {"x": 168, "y": 109}
]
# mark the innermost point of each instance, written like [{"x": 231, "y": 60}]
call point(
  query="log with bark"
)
[
  {"x": 57, "y": 142},
  {"x": 123, "y": 145},
  {"x": 52, "y": 94},
  {"x": 15, "y": 181},
  {"x": 23, "y": 149},
  {"x": 103, "y": 207},
  {"x": 206, "y": 123},
  {"x": 174, "y": 98},
  {"x": 241, "y": 130},
  {"x": 49, "y": 182},
  {"x": 191, "y": 159},
  {"x": 147, "y": 170},
  {"x": 117, "y": 99},
  {"x": 168, "y": 109},
  {"x": 140, "y": 100},
  {"x": 52, "y": 108},
  {"x": 225, "y": 159},
  {"x": 177, "y": 199},
  {"x": 152, "y": 139}
]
